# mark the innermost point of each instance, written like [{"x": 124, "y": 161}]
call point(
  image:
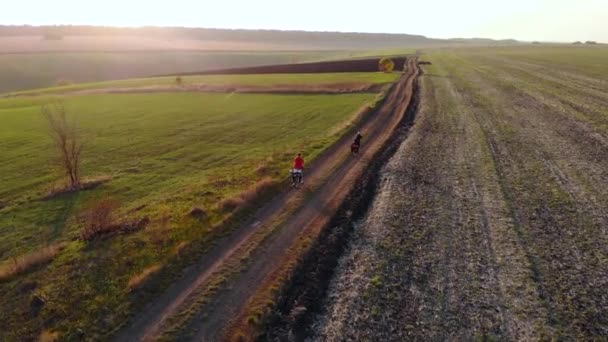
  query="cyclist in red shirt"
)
[
  {"x": 298, "y": 167},
  {"x": 298, "y": 163}
]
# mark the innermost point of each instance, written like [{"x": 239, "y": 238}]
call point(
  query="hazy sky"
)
[{"x": 553, "y": 20}]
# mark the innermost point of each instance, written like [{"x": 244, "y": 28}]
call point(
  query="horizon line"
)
[{"x": 291, "y": 30}]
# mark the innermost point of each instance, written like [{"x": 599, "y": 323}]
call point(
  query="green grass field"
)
[
  {"x": 261, "y": 79},
  {"x": 157, "y": 147},
  {"x": 166, "y": 153}
]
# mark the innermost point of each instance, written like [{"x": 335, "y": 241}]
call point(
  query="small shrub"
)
[
  {"x": 386, "y": 65},
  {"x": 98, "y": 219},
  {"x": 179, "y": 81}
]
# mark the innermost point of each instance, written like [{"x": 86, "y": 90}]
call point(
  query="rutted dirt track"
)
[
  {"x": 270, "y": 239},
  {"x": 490, "y": 221}
]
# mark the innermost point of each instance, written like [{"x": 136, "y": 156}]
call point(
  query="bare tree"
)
[{"x": 66, "y": 140}]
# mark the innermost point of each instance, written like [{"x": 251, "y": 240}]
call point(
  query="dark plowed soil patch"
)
[
  {"x": 303, "y": 298},
  {"x": 352, "y": 65}
]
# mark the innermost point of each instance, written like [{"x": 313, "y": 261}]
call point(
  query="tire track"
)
[{"x": 559, "y": 238}]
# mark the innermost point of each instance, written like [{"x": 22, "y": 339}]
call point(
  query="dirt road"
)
[{"x": 195, "y": 308}]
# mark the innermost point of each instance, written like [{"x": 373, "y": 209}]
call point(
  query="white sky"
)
[{"x": 547, "y": 20}]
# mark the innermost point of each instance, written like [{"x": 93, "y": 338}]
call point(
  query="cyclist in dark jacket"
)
[{"x": 358, "y": 139}]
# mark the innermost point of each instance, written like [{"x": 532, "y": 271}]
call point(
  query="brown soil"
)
[
  {"x": 491, "y": 220},
  {"x": 349, "y": 65},
  {"x": 272, "y": 234}
]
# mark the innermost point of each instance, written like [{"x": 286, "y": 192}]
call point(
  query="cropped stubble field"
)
[
  {"x": 166, "y": 153},
  {"x": 492, "y": 221}
]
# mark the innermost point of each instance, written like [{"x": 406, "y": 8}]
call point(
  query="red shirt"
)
[{"x": 298, "y": 163}]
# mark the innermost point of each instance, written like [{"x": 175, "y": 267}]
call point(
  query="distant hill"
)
[
  {"x": 43, "y": 56},
  {"x": 181, "y": 38}
]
